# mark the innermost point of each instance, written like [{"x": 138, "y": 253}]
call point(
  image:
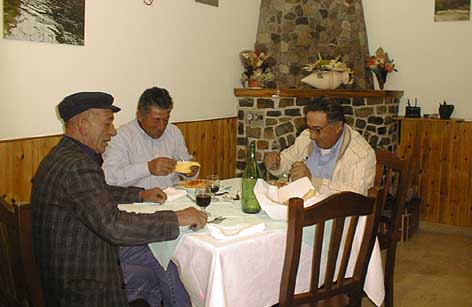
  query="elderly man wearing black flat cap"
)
[{"x": 77, "y": 226}]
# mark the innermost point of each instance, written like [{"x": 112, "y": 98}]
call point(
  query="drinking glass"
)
[
  {"x": 214, "y": 184},
  {"x": 203, "y": 198}
]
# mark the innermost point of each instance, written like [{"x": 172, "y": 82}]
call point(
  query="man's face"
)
[
  {"x": 324, "y": 133},
  {"x": 154, "y": 122},
  {"x": 99, "y": 129}
]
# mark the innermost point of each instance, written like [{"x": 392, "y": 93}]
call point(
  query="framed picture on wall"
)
[
  {"x": 451, "y": 10},
  {"x": 210, "y": 2},
  {"x": 52, "y": 21}
]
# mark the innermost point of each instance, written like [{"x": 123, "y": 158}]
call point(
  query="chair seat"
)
[{"x": 335, "y": 301}]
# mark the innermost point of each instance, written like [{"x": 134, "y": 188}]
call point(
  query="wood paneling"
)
[
  {"x": 212, "y": 142},
  {"x": 442, "y": 154}
]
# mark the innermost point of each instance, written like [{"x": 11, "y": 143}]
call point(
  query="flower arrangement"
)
[
  {"x": 380, "y": 64},
  {"x": 328, "y": 73},
  {"x": 327, "y": 65},
  {"x": 257, "y": 65}
]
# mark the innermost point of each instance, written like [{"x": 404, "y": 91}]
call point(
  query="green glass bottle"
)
[{"x": 252, "y": 172}]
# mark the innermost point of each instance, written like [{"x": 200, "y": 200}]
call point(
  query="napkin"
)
[
  {"x": 237, "y": 231},
  {"x": 272, "y": 199},
  {"x": 174, "y": 194}
]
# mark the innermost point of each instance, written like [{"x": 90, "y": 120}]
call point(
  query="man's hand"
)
[
  {"x": 193, "y": 217},
  {"x": 193, "y": 171},
  {"x": 161, "y": 166},
  {"x": 299, "y": 170},
  {"x": 155, "y": 195},
  {"x": 272, "y": 160}
]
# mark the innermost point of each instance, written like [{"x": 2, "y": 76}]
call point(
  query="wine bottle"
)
[{"x": 252, "y": 172}]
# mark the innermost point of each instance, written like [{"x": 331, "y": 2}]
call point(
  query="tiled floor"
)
[{"x": 434, "y": 268}]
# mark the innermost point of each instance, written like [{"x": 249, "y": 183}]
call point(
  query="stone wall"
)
[
  {"x": 274, "y": 123},
  {"x": 295, "y": 31}
]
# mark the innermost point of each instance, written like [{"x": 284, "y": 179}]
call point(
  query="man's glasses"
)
[{"x": 318, "y": 129}]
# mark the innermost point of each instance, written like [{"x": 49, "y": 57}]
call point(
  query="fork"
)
[{"x": 216, "y": 220}]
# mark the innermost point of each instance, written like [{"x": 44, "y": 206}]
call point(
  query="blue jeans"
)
[{"x": 145, "y": 278}]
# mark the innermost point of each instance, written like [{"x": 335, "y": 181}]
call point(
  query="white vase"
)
[{"x": 327, "y": 80}]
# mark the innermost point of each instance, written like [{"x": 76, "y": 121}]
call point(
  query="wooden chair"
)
[
  {"x": 344, "y": 290},
  {"x": 393, "y": 176},
  {"x": 20, "y": 284}
]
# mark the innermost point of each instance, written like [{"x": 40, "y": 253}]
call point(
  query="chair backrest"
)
[
  {"x": 392, "y": 175},
  {"x": 337, "y": 207},
  {"x": 20, "y": 283}
]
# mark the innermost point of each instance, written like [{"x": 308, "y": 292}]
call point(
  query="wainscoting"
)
[
  {"x": 441, "y": 151},
  {"x": 211, "y": 142}
]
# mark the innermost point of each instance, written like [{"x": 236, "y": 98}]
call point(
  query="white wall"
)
[
  {"x": 189, "y": 48},
  {"x": 192, "y": 49},
  {"x": 434, "y": 59}
]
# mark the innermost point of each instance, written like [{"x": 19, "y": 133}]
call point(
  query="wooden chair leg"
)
[{"x": 390, "y": 274}]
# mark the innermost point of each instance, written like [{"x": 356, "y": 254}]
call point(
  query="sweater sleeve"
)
[
  {"x": 297, "y": 152},
  {"x": 94, "y": 204}
]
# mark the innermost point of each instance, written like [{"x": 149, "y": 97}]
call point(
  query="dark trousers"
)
[{"x": 146, "y": 279}]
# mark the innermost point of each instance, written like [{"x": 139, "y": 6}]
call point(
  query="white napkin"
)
[
  {"x": 174, "y": 194},
  {"x": 271, "y": 198},
  {"x": 237, "y": 231}
]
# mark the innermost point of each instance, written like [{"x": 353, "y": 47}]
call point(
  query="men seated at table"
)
[
  {"x": 329, "y": 152},
  {"x": 76, "y": 222},
  {"x": 144, "y": 154}
]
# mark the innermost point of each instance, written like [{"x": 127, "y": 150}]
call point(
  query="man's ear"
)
[
  {"x": 339, "y": 127},
  {"x": 139, "y": 115},
  {"x": 83, "y": 125}
]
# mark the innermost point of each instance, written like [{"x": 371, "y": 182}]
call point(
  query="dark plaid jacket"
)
[{"x": 77, "y": 228}]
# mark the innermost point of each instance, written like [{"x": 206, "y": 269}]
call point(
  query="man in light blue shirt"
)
[
  {"x": 329, "y": 152},
  {"x": 144, "y": 154}
]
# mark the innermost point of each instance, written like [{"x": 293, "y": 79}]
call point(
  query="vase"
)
[
  {"x": 445, "y": 110},
  {"x": 327, "y": 80},
  {"x": 381, "y": 76}
]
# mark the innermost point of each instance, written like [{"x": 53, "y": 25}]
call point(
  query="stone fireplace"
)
[
  {"x": 296, "y": 31},
  {"x": 273, "y": 118}
]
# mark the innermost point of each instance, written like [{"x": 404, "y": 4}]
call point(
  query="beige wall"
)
[
  {"x": 188, "y": 47},
  {"x": 433, "y": 58}
]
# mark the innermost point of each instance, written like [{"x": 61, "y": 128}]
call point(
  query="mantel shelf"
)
[{"x": 304, "y": 93}]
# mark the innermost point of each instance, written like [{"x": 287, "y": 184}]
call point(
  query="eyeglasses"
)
[{"x": 317, "y": 129}]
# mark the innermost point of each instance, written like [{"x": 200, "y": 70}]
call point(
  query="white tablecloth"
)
[{"x": 245, "y": 271}]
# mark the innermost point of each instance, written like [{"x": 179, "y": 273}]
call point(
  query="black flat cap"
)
[{"x": 80, "y": 102}]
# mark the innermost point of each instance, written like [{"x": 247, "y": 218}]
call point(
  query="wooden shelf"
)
[
  {"x": 306, "y": 93},
  {"x": 432, "y": 120}
]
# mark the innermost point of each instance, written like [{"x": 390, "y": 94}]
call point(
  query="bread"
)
[
  {"x": 184, "y": 167},
  {"x": 311, "y": 193}
]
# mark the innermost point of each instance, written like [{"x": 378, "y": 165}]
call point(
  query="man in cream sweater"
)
[{"x": 329, "y": 152}]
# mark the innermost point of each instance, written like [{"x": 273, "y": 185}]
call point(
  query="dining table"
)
[{"x": 239, "y": 261}]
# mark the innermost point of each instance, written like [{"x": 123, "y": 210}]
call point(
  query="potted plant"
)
[{"x": 257, "y": 68}]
